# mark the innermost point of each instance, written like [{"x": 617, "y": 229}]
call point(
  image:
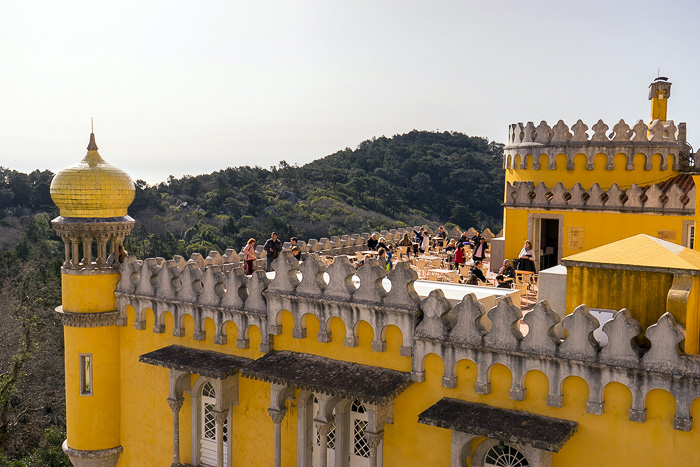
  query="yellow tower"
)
[
  {"x": 659, "y": 92},
  {"x": 93, "y": 198},
  {"x": 570, "y": 189}
]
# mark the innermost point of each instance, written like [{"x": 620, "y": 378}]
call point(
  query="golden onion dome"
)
[{"x": 92, "y": 188}]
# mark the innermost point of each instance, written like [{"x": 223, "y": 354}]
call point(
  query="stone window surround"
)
[
  {"x": 378, "y": 416},
  {"x": 226, "y": 397},
  {"x": 83, "y": 376},
  {"x": 531, "y": 218},
  {"x": 684, "y": 236},
  {"x": 222, "y": 410}
]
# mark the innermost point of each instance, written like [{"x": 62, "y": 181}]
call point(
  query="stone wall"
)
[
  {"x": 465, "y": 331},
  {"x": 634, "y": 199}
]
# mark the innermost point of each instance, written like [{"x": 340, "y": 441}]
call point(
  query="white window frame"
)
[
  {"x": 197, "y": 404},
  {"x": 688, "y": 236}
]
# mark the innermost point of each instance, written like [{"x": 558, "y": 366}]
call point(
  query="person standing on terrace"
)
[
  {"x": 525, "y": 262},
  {"x": 480, "y": 250},
  {"x": 249, "y": 256},
  {"x": 459, "y": 256},
  {"x": 406, "y": 242},
  {"x": 272, "y": 249}
]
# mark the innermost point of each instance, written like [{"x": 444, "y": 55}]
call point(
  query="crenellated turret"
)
[
  {"x": 526, "y": 143},
  {"x": 562, "y": 182}
]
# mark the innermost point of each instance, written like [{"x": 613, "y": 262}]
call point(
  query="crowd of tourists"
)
[{"x": 456, "y": 253}]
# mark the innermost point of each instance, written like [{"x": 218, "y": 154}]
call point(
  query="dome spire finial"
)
[{"x": 92, "y": 146}]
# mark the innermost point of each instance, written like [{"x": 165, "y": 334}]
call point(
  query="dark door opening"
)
[{"x": 549, "y": 243}]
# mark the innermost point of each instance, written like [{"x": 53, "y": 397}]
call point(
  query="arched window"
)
[
  {"x": 208, "y": 452},
  {"x": 502, "y": 455},
  {"x": 359, "y": 454}
]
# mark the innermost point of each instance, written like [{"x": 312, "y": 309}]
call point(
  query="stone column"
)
[
  {"x": 277, "y": 417},
  {"x": 75, "y": 260},
  {"x": 373, "y": 439},
  {"x": 66, "y": 243},
  {"x": 87, "y": 251},
  {"x": 323, "y": 430},
  {"x": 219, "y": 419},
  {"x": 175, "y": 406}
]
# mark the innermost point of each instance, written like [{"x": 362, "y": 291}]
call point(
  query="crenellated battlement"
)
[
  {"x": 659, "y": 137},
  {"x": 652, "y": 198},
  {"x": 465, "y": 331}
]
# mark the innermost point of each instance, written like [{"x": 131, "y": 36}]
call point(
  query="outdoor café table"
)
[
  {"x": 444, "y": 274},
  {"x": 428, "y": 257}
]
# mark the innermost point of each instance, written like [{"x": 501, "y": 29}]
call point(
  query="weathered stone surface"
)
[
  {"x": 541, "y": 337},
  {"x": 509, "y": 426},
  {"x": 435, "y": 323},
  {"x": 580, "y": 343},
  {"x": 505, "y": 332},
  {"x": 621, "y": 347},
  {"x": 351, "y": 381},
  {"x": 202, "y": 362},
  {"x": 469, "y": 328}
]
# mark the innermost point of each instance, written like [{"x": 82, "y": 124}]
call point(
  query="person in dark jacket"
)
[
  {"x": 272, "y": 249},
  {"x": 476, "y": 274},
  {"x": 297, "y": 253},
  {"x": 372, "y": 242},
  {"x": 501, "y": 282},
  {"x": 507, "y": 269},
  {"x": 480, "y": 250}
]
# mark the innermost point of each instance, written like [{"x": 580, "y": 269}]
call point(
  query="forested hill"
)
[
  {"x": 447, "y": 177},
  {"x": 416, "y": 178}
]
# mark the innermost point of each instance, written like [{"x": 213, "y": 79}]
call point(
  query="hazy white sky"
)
[{"x": 191, "y": 87}]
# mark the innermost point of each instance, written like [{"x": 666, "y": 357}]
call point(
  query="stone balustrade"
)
[{"x": 465, "y": 331}]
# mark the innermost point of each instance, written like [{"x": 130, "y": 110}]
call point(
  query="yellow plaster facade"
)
[{"x": 178, "y": 370}]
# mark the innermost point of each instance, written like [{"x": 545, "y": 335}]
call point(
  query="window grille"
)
[
  {"x": 209, "y": 422},
  {"x": 208, "y": 390},
  {"x": 358, "y": 407},
  {"x": 505, "y": 456},
  {"x": 360, "y": 445}
]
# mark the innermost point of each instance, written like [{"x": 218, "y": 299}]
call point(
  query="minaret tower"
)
[{"x": 93, "y": 198}]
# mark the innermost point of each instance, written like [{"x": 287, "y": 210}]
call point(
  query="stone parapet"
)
[
  {"x": 650, "y": 198},
  {"x": 465, "y": 331},
  {"x": 659, "y": 137}
]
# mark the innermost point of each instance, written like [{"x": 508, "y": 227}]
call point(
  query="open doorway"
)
[{"x": 546, "y": 234}]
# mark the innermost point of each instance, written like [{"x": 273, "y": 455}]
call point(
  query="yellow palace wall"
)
[
  {"x": 146, "y": 420},
  {"x": 599, "y": 228}
]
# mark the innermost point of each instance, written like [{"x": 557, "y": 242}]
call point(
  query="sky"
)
[{"x": 181, "y": 88}]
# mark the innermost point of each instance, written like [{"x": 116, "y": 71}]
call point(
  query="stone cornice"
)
[{"x": 88, "y": 320}]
